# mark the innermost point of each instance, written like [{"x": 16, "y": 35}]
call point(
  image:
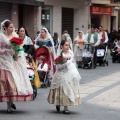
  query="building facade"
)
[
  {"x": 21, "y": 13},
  {"x": 105, "y": 13},
  {"x": 55, "y": 15},
  {"x": 60, "y": 15}
]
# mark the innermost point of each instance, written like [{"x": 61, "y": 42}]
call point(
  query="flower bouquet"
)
[
  {"x": 16, "y": 43},
  {"x": 60, "y": 61}
]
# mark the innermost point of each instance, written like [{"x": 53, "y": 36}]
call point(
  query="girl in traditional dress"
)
[
  {"x": 14, "y": 81},
  {"x": 78, "y": 48},
  {"x": 65, "y": 86}
]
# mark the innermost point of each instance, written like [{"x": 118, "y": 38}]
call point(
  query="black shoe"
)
[
  {"x": 58, "y": 108},
  {"x": 66, "y": 112},
  {"x": 13, "y": 106}
]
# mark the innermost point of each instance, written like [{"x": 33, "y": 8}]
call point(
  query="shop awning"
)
[
  {"x": 100, "y": 10},
  {"x": 26, "y": 2}
]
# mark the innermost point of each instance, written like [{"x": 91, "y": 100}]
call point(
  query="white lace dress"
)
[
  {"x": 14, "y": 81},
  {"x": 65, "y": 87}
]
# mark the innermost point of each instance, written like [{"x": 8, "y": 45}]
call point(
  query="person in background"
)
[
  {"x": 56, "y": 41},
  {"x": 27, "y": 42},
  {"x": 113, "y": 36},
  {"x": 42, "y": 67},
  {"x": 45, "y": 39},
  {"x": 103, "y": 36},
  {"x": 66, "y": 36},
  {"x": 94, "y": 39},
  {"x": 78, "y": 47},
  {"x": 30, "y": 68}
]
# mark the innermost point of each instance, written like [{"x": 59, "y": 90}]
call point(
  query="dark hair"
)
[
  {"x": 38, "y": 32},
  {"x": 6, "y": 24},
  {"x": 63, "y": 42},
  {"x": 93, "y": 27},
  {"x": 43, "y": 59},
  {"x": 26, "y": 33},
  {"x": 55, "y": 34},
  {"x": 29, "y": 59}
]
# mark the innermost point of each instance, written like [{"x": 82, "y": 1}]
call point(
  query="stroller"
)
[
  {"x": 33, "y": 85},
  {"x": 44, "y": 77},
  {"x": 87, "y": 57},
  {"x": 101, "y": 55},
  {"x": 115, "y": 51},
  {"x": 30, "y": 72}
]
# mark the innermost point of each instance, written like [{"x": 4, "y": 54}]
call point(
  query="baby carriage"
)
[
  {"x": 30, "y": 72},
  {"x": 44, "y": 78},
  {"x": 87, "y": 57},
  {"x": 101, "y": 55},
  {"x": 115, "y": 53},
  {"x": 33, "y": 84}
]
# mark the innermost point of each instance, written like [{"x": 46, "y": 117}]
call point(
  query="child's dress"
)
[
  {"x": 30, "y": 72},
  {"x": 65, "y": 86}
]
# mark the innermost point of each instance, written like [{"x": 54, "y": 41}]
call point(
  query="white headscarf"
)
[
  {"x": 3, "y": 25},
  {"x": 48, "y": 36},
  {"x": 83, "y": 36},
  {"x": 3, "y": 30}
]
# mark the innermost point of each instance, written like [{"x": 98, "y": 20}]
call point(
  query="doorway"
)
[
  {"x": 68, "y": 20},
  {"x": 113, "y": 22}
]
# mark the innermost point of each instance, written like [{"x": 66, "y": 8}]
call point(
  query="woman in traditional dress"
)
[
  {"x": 65, "y": 86},
  {"x": 14, "y": 81},
  {"x": 27, "y": 42},
  {"x": 45, "y": 39},
  {"x": 78, "y": 47},
  {"x": 29, "y": 50}
]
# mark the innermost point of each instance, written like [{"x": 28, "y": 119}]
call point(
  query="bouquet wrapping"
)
[{"x": 61, "y": 63}]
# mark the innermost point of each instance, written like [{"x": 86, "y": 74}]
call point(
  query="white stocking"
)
[
  {"x": 9, "y": 106},
  {"x": 65, "y": 108}
]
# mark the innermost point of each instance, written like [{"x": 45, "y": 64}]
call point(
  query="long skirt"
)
[
  {"x": 8, "y": 90},
  {"x": 57, "y": 97}
]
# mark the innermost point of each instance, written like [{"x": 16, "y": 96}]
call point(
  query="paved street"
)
[{"x": 100, "y": 94}]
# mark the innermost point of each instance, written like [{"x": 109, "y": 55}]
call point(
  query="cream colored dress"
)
[{"x": 65, "y": 87}]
